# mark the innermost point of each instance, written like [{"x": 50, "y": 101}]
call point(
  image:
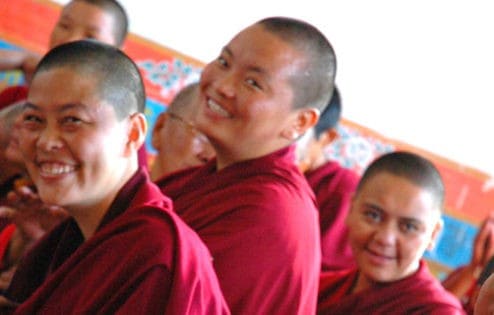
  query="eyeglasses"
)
[{"x": 190, "y": 127}]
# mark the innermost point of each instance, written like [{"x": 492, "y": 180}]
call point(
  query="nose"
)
[
  {"x": 207, "y": 152},
  {"x": 49, "y": 139},
  {"x": 385, "y": 235},
  {"x": 225, "y": 84},
  {"x": 204, "y": 150}
]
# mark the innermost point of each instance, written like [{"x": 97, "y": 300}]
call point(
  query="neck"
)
[
  {"x": 88, "y": 216},
  {"x": 156, "y": 171},
  {"x": 318, "y": 162}
]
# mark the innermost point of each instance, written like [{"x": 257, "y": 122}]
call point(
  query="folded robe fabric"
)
[
  {"x": 419, "y": 293},
  {"x": 259, "y": 220},
  {"x": 141, "y": 260},
  {"x": 334, "y": 186}
]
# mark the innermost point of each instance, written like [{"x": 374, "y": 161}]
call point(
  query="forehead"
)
[
  {"x": 64, "y": 85},
  {"x": 259, "y": 49},
  {"x": 89, "y": 15},
  {"x": 398, "y": 196},
  {"x": 76, "y": 8}
]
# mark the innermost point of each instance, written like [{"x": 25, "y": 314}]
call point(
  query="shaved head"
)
[
  {"x": 184, "y": 101},
  {"x": 314, "y": 83},
  {"x": 116, "y": 75},
  {"x": 410, "y": 166},
  {"x": 116, "y": 10}
]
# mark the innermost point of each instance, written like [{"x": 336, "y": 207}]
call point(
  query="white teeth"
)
[
  {"x": 55, "y": 169},
  {"x": 218, "y": 109}
]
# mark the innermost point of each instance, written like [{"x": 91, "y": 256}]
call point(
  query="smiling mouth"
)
[
  {"x": 379, "y": 255},
  {"x": 216, "y": 108},
  {"x": 55, "y": 169}
]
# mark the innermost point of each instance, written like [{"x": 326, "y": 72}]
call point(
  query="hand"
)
[
  {"x": 29, "y": 64},
  {"x": 32, "y": 218},
  {"x": 459, "y": 281},
  {"x": 483, "y": 247},
  {"x": 19, "y": 59}
]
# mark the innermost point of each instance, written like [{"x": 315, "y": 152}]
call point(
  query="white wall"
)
[{"x": 419, "y": 71}]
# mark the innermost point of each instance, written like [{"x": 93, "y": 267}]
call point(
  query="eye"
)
[
  {"x": 372, "y": 215},
  {"x": 409, "y": 227},
  {"x": 31, "y": 118},
  {"x": 63, "y": 25},
  {"x": 253, "y": 83},
  {"x": 222, "y": 61},
  {"x": 31, "y": 121},
  {"x": 71, "y": 120}
]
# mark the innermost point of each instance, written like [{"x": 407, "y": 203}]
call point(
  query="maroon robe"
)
[
  {"x": 142, "y": 259},
  {"x": 12, "y": 94},
  {"x": 259, "y": 220},
  {"x": 334, "y": 187},
  {"x": 419, "y": 293}
]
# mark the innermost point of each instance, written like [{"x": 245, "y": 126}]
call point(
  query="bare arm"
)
[
  {"x": 461, "y": 280},
  {"x": 19, "y": 60}
]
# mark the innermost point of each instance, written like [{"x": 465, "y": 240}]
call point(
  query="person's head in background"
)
[
  {"x": 485, "y": 301},
  {"x": 395, "y": 217},
  {"x": 80, "y": 142},
  {"x": 178, "y": 143},
  {"x": 310, "y": 146},
  {"x": 9, "y": 167},
  {"x": 102, "y": 20},
  {"x": 11, "y": 101},
  {"x": 265, "y": 89}
]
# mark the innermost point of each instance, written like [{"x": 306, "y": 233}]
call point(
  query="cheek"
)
[
  {"x": 359, "y": 234},
  {"x": 206, "y": 75},
  {"x": 411, "y": 248},
  {"x": 27, "y": 141}
]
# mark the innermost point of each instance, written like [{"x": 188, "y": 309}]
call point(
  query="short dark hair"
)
[
  {"x": 330, "y": 116},
  {"x": 410, "y": 166},
  {"x": 313, "y": 85},
  {"x": 184, "y": 98},
  {"x": 117, "y": 77},
  {"x": 115, "y": 9}
]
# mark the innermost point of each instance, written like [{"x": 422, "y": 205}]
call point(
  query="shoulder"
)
[
  {"x": 433, "y": 296},
  {"x": 334, "y": 175}
]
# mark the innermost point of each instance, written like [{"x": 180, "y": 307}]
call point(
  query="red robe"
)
[
  {"x": 419, "y": 293},
  {"x": 12, "y": 94},
  {"x": 259, "y": 220},
  {"x": 142, "y": 259},
  {"x": 334, "y": 186}
]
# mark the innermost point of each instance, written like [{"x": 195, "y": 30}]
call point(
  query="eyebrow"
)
[
  {"x": 413, "y": 220},
  {"x": 256, "y": 69},
  {"x": 64, "y": 108}
]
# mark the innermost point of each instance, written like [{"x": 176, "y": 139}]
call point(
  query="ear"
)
[
  {"x": 300, "y": 122},
  {"x": 156, "y": 134},
  {"x": 328, "y": 136},
  {"x": 435, "y": 234},
  {"x": 137, "y": 131}
]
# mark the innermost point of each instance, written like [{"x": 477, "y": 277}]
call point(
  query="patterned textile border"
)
[{"x": 470, "y": 192}]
